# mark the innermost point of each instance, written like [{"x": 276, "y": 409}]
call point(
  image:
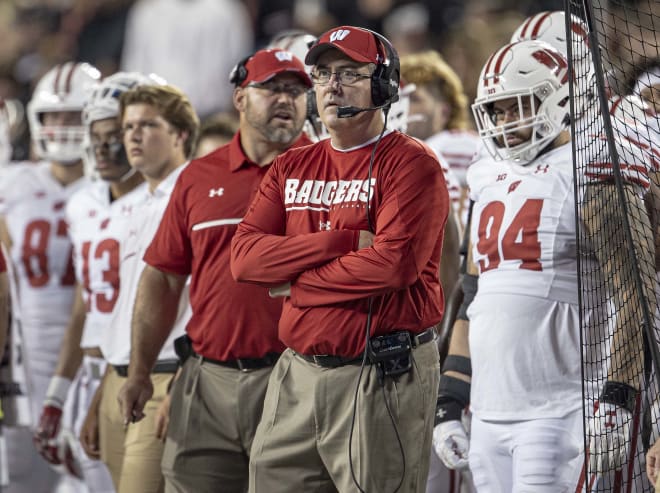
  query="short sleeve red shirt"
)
[{"x": 230, "y": 320}]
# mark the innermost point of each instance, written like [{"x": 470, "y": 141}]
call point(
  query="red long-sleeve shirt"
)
[{"x": 313, "y": 193}]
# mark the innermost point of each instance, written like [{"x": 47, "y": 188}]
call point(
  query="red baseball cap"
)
[
  {"x": 266, "y": 64},
  {"x": 356, "y": 43}
]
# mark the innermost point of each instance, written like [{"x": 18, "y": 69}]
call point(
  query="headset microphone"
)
[{"x": 350, "y": 111}]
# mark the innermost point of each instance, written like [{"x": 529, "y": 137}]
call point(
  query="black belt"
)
[
  {"x": 332, "y": 361},
  {"x": 164, "y": 366},
  {"x": 244, "y": 364}
]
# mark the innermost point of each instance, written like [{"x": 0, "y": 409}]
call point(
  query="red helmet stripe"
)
[
  {"x": 523, "y": 33},
  {"x": 487, "y": 69},
  {"x": 57, "y": 79},
  {"x": 537, "y": 27},
  {"x": 579, "y": 29},
  {"x": 498, "y": 65},
  {"x": 67, "y": 86}
]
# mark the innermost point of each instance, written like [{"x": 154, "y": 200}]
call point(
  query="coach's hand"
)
[
  {"x": 133, "y": 396},
  {"x": 450, "y": 441},
  {"x": 366, "y": 239},
  {"x": 609, "y": 438}
]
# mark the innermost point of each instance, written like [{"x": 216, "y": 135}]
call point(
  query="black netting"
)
[{"x": 616, "y": 157}]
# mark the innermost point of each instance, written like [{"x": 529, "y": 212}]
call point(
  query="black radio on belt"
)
[
  {"x": 391, "y": 353},
  {"x": 183, "y": 348}
]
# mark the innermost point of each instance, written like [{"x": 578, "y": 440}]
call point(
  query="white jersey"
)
[
  {"x": 524, "y": 320},
  {"x": 636, "y": 146},
  {"x": 459, "y": 149},
  {"x": 96, "y": 225},
  {"x": 147, "y": 213},
  {"x": 33, "y": 203},
  {"x": 453, "y": 186}
]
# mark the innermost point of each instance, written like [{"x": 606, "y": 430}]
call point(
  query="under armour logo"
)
[
  {"x": 543, "y": 169},
  {"x": 284, "y": 56},
  {"x": 501, "y": 177},
  {"x": 216, "y": 192},
  {"x": 324, "y": 226},
  {"x": 339, "y": 35},
  {"x": 440, "y": 413}
]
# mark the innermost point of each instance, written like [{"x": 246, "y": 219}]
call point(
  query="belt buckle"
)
[
  {"x": 241, "y": 367},
  {"x": 319, "y": 359}
]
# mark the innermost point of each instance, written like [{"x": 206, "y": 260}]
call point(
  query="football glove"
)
[
  {"x": 45, "y": 436},
  {"x": 450, "y": 440},
  {"x": 609, "y": 431}
]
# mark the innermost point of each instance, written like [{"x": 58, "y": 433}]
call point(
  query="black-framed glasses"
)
[
  {"x": 346, "y": 77},
  {"x": 272, "y": 88}
]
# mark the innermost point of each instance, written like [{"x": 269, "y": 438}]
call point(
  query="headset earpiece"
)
[
  {"x": 385, "y": 79},
  {"x": 239, "y": 73}
]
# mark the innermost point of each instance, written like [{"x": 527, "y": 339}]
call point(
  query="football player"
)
[
  {"x": 97, "y": 216},
  {"x": 524, "y": 318},
  {"x": 638, "y": 162},
  {"x": 33, "y": 228}
]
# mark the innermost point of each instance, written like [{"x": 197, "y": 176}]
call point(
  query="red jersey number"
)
[
  {"x": 520, "y": 241},
  {"x": 107, "y": 251},
  {"x": 35, "y": 254}
]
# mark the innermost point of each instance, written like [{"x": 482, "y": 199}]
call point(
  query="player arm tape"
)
[
  {"x": 454, "y": 389},
  {"x": 57, "y": 391},
  {"x": 453, "y": 397},
  {"x": 619, "y": 394},
  {"x": 459, "y": 364},
  {"x": 470, "y": 283}
]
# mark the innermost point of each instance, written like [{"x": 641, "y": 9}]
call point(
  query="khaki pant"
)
[
  {"x": 214, "y": 414},
  {"x": 132, "y": 453},
  {"x": 302, "y": 442}
]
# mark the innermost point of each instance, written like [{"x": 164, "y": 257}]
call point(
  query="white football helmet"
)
[
  {"x": 103, "y": 100},
  {"x": 5, "y": 135},
  {"x": 103, "y": 103},
  {"x": 295, "y": 41},
  {"x": 397, "y": 117},
  {"x": 526, "y": 71},
  {"x": 551, "y": 28},
  {"x": 63, "y": 89}
]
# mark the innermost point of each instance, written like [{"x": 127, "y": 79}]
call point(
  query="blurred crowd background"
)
[{"x": 194, "y": 43}]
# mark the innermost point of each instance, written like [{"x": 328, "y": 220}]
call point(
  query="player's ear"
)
[{"x": 239, "y": 99}]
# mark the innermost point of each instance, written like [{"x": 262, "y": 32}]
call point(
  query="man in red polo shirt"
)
[
  {"x": 350, "y": 404},
  {"x": 218, "y": 398}
]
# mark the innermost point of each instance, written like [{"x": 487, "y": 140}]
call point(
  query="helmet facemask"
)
[{"x": 532, "y": 77}]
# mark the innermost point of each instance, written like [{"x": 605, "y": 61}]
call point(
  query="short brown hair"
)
[
  {"x": 430, "y": 70},
  {"x": 220, "y": 124},
  {"x": 173, "y": 105}
]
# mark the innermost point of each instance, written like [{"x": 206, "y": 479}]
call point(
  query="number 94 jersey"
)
[{"x": 523, "y": 226}]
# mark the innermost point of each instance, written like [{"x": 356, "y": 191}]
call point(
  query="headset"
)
[
  {"x": 385, "y": 79},
  {"x": 239, "y": 73}
]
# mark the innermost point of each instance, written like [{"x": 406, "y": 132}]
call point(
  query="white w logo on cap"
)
[
  {"x": 339, "y": 35},
  {"x": 284, "y": 56}
]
